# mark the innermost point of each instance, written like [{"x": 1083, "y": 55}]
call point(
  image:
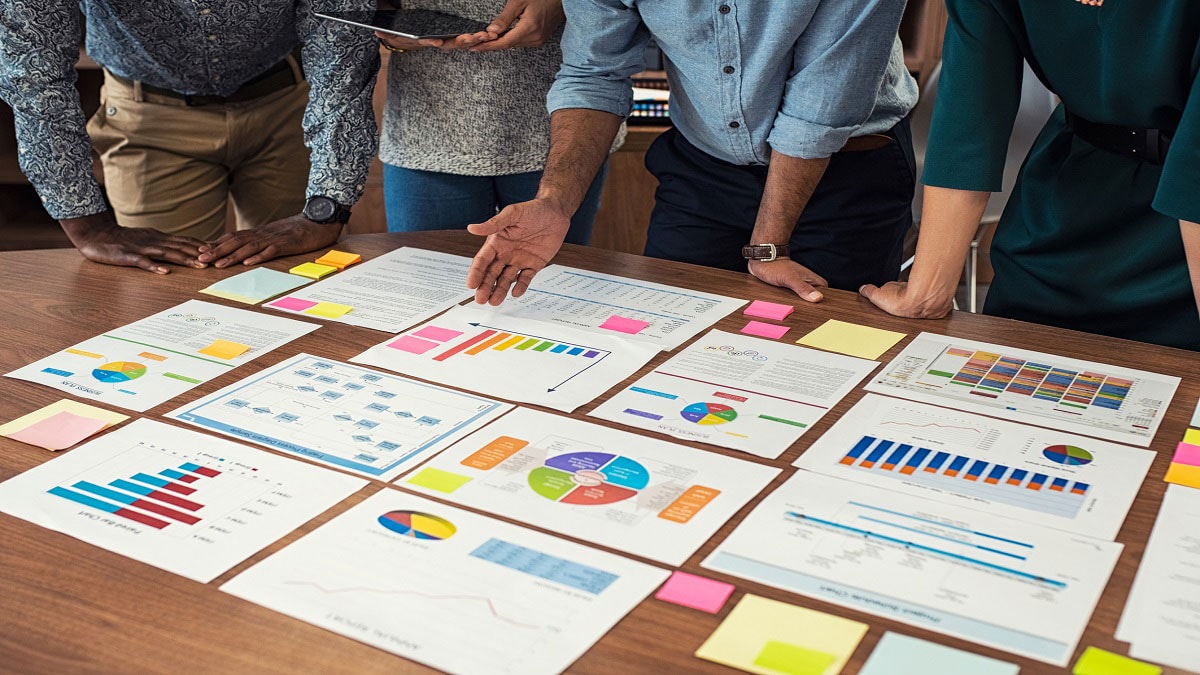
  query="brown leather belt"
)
[
  {"x": 867, "y": 142},
  {"x": 279, "y": 76}
]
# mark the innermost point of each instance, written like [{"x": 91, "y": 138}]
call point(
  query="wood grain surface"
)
[{"x": 66, "y": 606}]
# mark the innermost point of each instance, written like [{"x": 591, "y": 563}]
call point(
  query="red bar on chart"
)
[{"x": 464, "y": 345}]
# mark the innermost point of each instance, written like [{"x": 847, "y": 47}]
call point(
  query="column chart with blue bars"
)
[
  {"x": 951, "y": 471},
  {"x": 158, "y": 500}
]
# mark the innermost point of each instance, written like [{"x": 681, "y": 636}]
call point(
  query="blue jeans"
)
[{"x": 426, "y": 200}]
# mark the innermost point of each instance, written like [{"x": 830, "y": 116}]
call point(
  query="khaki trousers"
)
[{"x": 177, "y": 168}]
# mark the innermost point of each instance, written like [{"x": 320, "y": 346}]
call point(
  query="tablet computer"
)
[{"x": 418, "y": 24}]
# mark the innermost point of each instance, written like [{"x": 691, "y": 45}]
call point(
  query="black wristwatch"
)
[
  {"x": 765, "y": 252},
  {"x": 325, "y": 210}
]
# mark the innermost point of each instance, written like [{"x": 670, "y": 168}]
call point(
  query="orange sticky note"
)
[
  {"x": 339, "y": 259},
  {"x": 224, "y": 349}
]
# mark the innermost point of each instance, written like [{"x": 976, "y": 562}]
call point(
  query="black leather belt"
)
[
  {"x": 1147, "y": 145},
  {"x": 277, "y": 77}
]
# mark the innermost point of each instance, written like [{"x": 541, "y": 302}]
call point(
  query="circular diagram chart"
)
[
  {"x": 589, "y": 478},
  {"x": 708, "y": 413},
  {"x": 119, "y": 371},
  {"x": 1067, "y": 454},
  {"x": 418, "y": 525}
]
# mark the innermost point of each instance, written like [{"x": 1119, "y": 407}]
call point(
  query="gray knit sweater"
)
[{"x": 471, "y": 114}]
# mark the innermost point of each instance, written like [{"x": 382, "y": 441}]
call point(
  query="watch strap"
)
[{"x": 765, "y": 252}]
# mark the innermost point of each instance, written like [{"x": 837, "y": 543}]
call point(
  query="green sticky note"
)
[
  {"x": 793, "y": 659},
  {"x": 1095, "y": 661},
  {"x": 436, "y": 479}
]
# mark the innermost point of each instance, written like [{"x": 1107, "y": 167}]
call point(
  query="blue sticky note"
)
[
  {"x": 898, "y": 654},
  {"x": 255, "y": 286},
  {"x": 1196, "y": 416}
]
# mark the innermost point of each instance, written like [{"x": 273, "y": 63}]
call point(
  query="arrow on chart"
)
[{"x": 603, "y": 352}]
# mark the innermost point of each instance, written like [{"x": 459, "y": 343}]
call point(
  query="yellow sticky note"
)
[
  {"x": 850, "y": 338},
  {"x": 1096, "y": 661},
  {"x": 771, "y": 637},
  {"x": 329, "y": 310},
  {"x": 224, "y": 349},
  {"x": 1192, "y": 437},
  {"x": 1183, "y": 474},
  {"x": 339, "y": 259},
  {"x": 313, "y": 270},
  {"x": 436, "y": 479}
]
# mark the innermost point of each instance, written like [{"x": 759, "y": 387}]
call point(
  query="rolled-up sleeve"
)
[
  {"x": 838, "y": 65},
  {"x": 1178, "y": 193},
  {"x": 603, "y": 48},
  {"x": 39, "y": 45},
  {"x": 341, "y": 63}
]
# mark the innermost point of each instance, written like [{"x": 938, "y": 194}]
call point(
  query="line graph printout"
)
[
  {"x": 613, "y": 488},
  {"x": 177, "y": 499},
  {"x": 588, "y": 301},
  {"x": 739, "y": 392},
  {"x": 390, "y": 292},
  {"x": 987, "y": 578},
  {"x": 1052, "y": 478},
  {"x": 347, "y": 416},
  {"x": 514, "y": 359},
  {"x": 151, "y": 361},
  {"x": 454, "y": 590},
  {"x": 1120, "y": 404}
]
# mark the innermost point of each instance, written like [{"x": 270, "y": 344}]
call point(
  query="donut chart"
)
[
  {"x": 119, "y": 371},
  {"x": 708, "y": 414},
  {"x": 418, "y": 525},
  {"x": 1067, "y": 454},
  {"x": 589, "y": 478}
]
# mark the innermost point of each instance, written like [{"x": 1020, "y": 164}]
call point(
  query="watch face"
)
[{"x": 320, "y": 209}]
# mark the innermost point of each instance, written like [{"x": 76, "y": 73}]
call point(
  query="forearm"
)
[
  {"x": 949, "y": 221},
  {"x": 579, "y": 143},
  {"x": 791, "y": 182},
  {"x": 1191, "y": 246}
]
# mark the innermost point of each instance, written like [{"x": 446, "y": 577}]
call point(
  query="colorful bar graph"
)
[
  {"x": 163, "y": 497},
  {"x": 465, "y": 345},
  {"x": 955, "y": 466},
  {"x": 915, "y": 460},
  {"x": 877, "y": 454},
  {"x": 100, "y": 505},
  {"x": 858, "y": 449},
  {"x": 130, "y": 500}
]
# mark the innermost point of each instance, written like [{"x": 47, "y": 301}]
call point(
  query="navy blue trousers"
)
[{"x": 851, "y": 232}]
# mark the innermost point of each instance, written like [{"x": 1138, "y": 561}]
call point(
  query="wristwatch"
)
[
  {"x": 325, "y": 210},
  {"x": 765, "y": 252}
]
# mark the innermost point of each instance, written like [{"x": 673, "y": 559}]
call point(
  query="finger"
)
[
  {"x": 243, "y": 252},
  {"x": 220, "y": 249},
  {"x": 816, "y": 279},
  {"x": 171, "y": 255},
  {"x": 524, "y": 279},
  {"x": 868, "y": 291},
  {"x": 141, "y": 261},
  {"x": 479, "y": 266},
  {"x": 488, "y": 285},
  {"x": 507, "y": 16},
  {"x": 517, "y": 37},
  {"x": 805, "y": 290},
  {"x": 491, "y": 226},
  {"x": 506, "y": 280},
  {"x": 268, "y": 253}
]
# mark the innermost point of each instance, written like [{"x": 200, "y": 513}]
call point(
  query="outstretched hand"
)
[
  {"x": 100, "y": 239},
  {"x": 521, "y": 240},
  {"x": 899, "y": 299},
  {"x": 290, "y": 236},
  {"x": 788, "y": 273}
]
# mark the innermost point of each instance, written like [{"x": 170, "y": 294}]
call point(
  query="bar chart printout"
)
[
  {"x": 1073, "y": 483},
  {"x": 1002, "y": 583},
  {"x": 1120, "y": 404},
  {"x": 454, "y": 590},
  {"x": 511, "y": 358},
  {"x": 173, "y": 498}
]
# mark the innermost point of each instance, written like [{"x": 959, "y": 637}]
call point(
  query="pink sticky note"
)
[
  {"x": 1186, "y": 453},
  {"x": 696, "y": 592},
  {"x": 766, "y": 330},
  {"x": 59, "y": 431},
  {"x": 436, "y": 334},
  {"x": 768, "y": 310},
  {"x": 294, "y": 304},
  {"x": 412, "y": 345},
  {"x": 624, "y": 325}
]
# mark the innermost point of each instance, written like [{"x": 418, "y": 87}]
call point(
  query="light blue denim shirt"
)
[{"x": 797, "y": 76}]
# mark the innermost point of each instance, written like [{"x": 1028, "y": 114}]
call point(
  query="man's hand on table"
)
[
  {"x": 787, "y": 273},
  {"x": 290, "y": 236},
  {"x": 902, "y": 299},
  {"x": 521, "y": 240},
  {"x": 100, "y": 239}
]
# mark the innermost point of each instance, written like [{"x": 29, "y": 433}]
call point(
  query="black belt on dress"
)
[
  {"x": 275, "y": 78},
  {"x": 1147, "y": 145}
]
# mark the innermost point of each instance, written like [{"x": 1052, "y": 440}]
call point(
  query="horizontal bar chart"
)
[
  {"x": 500, "y": 341},
  {"x": 989, "y": 374},
  {"x": 156, "y": 500}
]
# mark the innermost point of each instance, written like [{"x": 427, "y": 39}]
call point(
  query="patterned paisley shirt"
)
[{"x": 198, "y": 47}]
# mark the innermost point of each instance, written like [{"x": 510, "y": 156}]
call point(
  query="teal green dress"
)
[{"x": 1089, "y": 239}]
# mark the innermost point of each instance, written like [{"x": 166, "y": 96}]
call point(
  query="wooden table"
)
[{"x": 66, "y": 606}]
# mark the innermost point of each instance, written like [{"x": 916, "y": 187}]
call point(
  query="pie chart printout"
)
[
  {"x": 418, "y": 525},
  {"x": 708, "y": 414},
  {"x": 119, "y": 371},
  {"x": 589, "y": 478},
  {"x": 1067, "y": 454}
]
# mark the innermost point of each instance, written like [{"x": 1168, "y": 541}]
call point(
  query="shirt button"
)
[
  {"x": 728, "y": 70},
  {"x": 734, "y": 125},
  {"x": 212, "y": 38},
  {"x": 724, "y": 9},
  {"x": 111, "y": 111},
  {"x": 206, "y": 11},
  {"x": 216, "y": 59}
]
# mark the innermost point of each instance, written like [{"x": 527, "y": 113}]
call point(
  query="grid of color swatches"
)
[
  {"x": 164, "y": 495},
  {"x": 975, "y": 477},
  {"x": 990, "y": 374},
  {"x": 500, "y": 341}
]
